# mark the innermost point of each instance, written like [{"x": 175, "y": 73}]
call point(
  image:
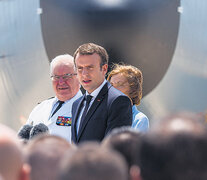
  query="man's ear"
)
[
  {"x": 25, "y": 172},
  {"x": 105, "y": 68},
  {"x": 135, "y": 173}
]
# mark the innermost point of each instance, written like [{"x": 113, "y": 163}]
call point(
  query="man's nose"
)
[
  {"x": 85, "y": 71},
  {"x": 61, "y": 80}
]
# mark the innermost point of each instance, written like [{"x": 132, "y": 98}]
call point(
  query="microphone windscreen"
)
[
  {"x": 38, "y": 129},
  {"x": 24, "y": 132}
]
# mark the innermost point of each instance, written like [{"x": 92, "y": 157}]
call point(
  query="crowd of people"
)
[
  {"x": 175, "y": 149},
  {"x": 98, "y": 133}
]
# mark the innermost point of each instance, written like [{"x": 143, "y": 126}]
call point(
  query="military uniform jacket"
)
[{"x": 60, "y": 123}]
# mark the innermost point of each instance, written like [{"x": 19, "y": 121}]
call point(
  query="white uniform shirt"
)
[{"x": 43, "y": 111}]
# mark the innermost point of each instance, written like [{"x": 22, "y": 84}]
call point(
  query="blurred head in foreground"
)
[
  {"x": 92, "y": 162},
  {"x": 44, "y": 153},
  {"x": 12, "y": 166}
]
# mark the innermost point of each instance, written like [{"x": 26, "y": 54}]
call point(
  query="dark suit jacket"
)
[{"x": 110, "y": 109}]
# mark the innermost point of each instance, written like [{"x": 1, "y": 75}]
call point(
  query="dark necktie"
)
[
  {"x": 88, "y": 100},
  {"x": 60, "y": 103}
]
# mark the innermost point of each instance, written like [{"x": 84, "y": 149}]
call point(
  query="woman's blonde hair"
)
[{"x": 134, "y": 78}]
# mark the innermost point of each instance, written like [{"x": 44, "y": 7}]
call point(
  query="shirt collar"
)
[
  {"x": 78, "y": 94},
  {"x": 134, "y": 109},
  {"x": 96, "y": 91}
]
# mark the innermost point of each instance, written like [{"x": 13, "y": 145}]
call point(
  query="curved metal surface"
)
[
  {"x": 24, "y": 66},
  {"x": 184, "y": 85},
  {"x": 138, "y": 32}
]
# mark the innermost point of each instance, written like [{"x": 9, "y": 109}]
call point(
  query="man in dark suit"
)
[{"x": 103, "y": 107}]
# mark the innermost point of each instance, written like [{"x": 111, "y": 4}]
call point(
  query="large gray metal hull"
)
[{"x": 24, "y": 66}]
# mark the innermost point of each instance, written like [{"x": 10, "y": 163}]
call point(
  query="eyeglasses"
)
[{"x": 65, "y": 77}]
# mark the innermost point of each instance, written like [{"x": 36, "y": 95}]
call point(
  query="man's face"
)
[
  {"x": 90, "y": 74},
  {"x": 65, "y": 87}
]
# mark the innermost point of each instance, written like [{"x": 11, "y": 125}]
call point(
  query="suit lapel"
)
[
  {"x": 76, "y": 116},
  {"x": 93, "y": 107}
]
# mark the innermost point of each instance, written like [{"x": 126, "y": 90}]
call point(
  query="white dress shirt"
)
[{"x": 94, "y": 94}]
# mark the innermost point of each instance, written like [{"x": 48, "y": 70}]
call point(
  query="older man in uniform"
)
[{"x": 56, "y": 112}]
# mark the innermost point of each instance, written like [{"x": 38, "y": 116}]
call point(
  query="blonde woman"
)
[{"x": 128, "y": 79}]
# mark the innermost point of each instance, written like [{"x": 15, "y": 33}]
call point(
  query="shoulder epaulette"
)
[
  {"x": 50, "y": 97},
  {"x": 47, "y": 99}
]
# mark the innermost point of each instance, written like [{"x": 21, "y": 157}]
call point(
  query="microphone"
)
[
  {"x": 24, "y": 132},
  {"x": 38, "y": 129}
]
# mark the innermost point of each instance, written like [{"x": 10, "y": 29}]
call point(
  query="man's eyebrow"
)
[{"x": 90, "y": 65}]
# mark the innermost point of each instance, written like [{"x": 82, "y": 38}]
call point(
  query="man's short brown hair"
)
[
  {"x": 90, "y": 162},
  {"x": 90, "y": 49}
]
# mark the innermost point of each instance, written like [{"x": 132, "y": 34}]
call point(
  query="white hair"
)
[{"x": 65, "y": 58}]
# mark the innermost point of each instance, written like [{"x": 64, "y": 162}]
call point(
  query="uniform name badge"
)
[{"x": 64, "y": 121}]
